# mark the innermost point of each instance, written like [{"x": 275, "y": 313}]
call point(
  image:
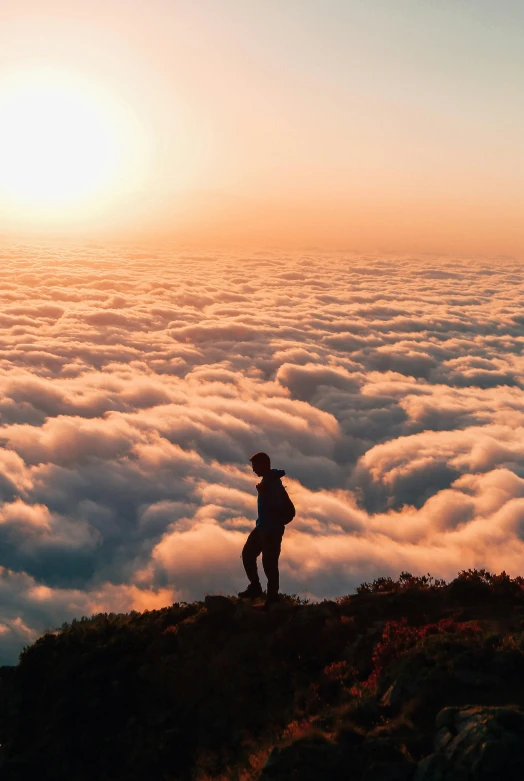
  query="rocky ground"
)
[{"x": 408, "y": 680}]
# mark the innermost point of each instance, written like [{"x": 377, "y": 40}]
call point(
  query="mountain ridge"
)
[{"x": 412, "y": 679}]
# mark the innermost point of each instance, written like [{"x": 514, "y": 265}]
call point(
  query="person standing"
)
[{"x": 275, "y": 509}]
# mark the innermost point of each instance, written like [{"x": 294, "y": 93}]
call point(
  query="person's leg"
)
[
  {"x": 271, "y": 546},
  {"x": 251, "y": 550}
]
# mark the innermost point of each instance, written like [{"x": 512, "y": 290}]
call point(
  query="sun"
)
[{"x": 63, "y": 142}]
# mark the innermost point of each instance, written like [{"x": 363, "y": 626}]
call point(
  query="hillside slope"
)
[{"x": 408, "y": 679}]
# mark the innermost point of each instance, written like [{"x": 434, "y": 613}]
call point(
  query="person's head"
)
[{"x": 261, "y": 464}]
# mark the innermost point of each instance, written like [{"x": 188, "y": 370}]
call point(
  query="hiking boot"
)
[{"x": 253, "y": 591}]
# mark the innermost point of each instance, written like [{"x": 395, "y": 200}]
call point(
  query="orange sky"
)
[{"x": 338, "y": 124}]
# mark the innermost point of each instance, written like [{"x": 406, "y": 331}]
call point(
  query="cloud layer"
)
[{"x": 134, "y": 386}]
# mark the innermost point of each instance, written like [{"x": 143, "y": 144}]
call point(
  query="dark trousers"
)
[{"x": 268, "y": 544}]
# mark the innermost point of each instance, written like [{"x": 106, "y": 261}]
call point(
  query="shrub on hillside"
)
[
  {"x": 399, "y": 637},
  {"x": 405, "y": 582},
  {"x": 471, "y": 580},
  {"x": 499, "y": 585}
]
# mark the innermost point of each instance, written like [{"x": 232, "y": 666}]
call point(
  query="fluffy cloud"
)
[{"x": 135, "y": 385}]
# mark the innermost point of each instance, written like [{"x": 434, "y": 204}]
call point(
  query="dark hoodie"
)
[{"x": 270, "y": 502}]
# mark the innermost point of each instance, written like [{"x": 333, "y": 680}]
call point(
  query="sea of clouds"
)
[{"x": 135, "y": 384}]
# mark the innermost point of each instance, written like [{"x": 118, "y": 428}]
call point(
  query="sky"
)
[{"x": 341, "y": 124}]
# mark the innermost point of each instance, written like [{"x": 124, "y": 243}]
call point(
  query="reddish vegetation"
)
[{"x": 398, "y": 637}]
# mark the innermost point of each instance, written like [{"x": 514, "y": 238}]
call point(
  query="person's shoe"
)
[{"x": 253, "y": 591}]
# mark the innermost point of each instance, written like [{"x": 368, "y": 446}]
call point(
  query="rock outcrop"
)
[{"x": 476, "y": 743}]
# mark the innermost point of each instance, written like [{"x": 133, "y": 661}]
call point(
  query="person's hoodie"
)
[{"x": 270, "y": 502}]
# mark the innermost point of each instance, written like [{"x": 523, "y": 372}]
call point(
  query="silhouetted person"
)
[{"x": 275, "y": 509}]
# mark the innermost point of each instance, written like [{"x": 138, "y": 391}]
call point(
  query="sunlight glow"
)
[{"x": 62, "y": 143}]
